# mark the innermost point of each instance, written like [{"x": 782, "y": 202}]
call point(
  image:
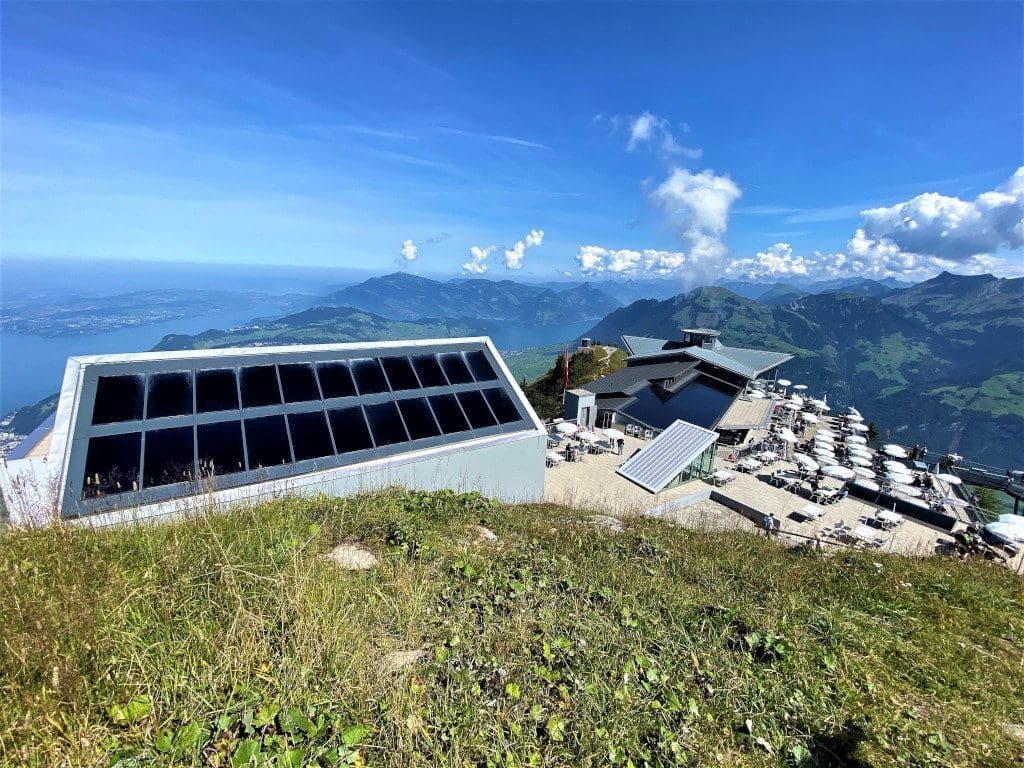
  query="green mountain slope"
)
[
  {"x": 402, "y": 296},
  {"x": 939, "y": 363}
]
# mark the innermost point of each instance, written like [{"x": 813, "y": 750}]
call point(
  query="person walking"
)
[{"x": 770, "y": 524}]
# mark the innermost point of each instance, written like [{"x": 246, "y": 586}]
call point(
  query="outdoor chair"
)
[{"x": 648, "y": 434}]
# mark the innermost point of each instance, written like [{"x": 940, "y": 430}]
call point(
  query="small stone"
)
[
  {"x": 483, "y": 533},
  {"x": 398, "y": 660},
  {"x": 352, "y": 557},
  {"x": 608, "y": 523},
  {"x": 1015, "y": 730}
]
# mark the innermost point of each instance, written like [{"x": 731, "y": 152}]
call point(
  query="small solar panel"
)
[
  {"x": 298, "y": 384},
  {"x": 118, "y": 398},
  {"x": 385, "y": 424},
  {"x": 480, "y": 366},
  {"x": 112, "y": 465},
  {"x": 259, "y": 386},
  {"x": 477, "y": 410},
  {"x": 350, "y": 430},
  {"x": 455, "y": 368},
  {"x": 369, "y": 376},
  {"x": 419, "y": 419},
  {"x": 502, "y": 405},
  {"x": 220, "y": 448},
  {"x": 168, "y": 457},
  {"x": 400, "y": 373},
  {"x": 336, "y": 379},
  {"x": 170, "y": 394},
  {"x": 449, "y": 415},
  {"x": 429, "y": 371},
  {"x": 216, "y": 390},
  {"x": 266, "y": 441},
  {"x": 310, "y": 436}
]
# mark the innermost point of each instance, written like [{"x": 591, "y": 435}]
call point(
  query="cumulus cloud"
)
[
  {"x": 409, "y": 251},
  {"x": 594, "y": 259},
  {"x": 514, "y": 256},
  {"x": 650, "y": 130},
  {"x": 477, "y": 258},
  {"x": 776, "y": 260}
]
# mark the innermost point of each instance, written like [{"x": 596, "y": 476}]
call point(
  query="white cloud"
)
[
  {"x": 627, "y": 262},
  {"x": 514, "y": 256},
  {"x": 477, "y": 257},
  {"x": 777, "y": 260},
  {"x": 656, "y": 131},
  {"x": 409, "y": 250}
]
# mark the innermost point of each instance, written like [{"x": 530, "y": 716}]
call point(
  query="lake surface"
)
[{"x": 32, "y": 367}]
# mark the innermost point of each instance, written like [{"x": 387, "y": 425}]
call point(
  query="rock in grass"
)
[
  {"x": 399, "y": 660},
  {"x": 608, "y": 523},
  {"x": 352, "y": 557},
  {"x": 481, "y": 534}
]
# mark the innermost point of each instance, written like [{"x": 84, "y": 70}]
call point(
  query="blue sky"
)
[{"x": 683, "y": 140}]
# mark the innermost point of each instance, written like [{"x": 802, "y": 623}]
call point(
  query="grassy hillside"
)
[
  {"x": 545, "y": 392},
  {"x": 231, "y": 640}
]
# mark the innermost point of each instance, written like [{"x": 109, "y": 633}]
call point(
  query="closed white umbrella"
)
[
  {"x": 858, "y": 427},
  {"x": 806, "y": 462},
  {"x": 856, "y": 440},
  {"x": 861, "y": 472},
  {"x": 860, "y": 461},
  {"x": 896, "y": 451},
  {"x": 871, "y": 485},
  {"x": 810, "y": 418},
  {"x": 839, "y": 472},
  {"x": 948, "y": 478},
  {"x": 567, "y": 428},
  {"x": 614, "y": 434}
]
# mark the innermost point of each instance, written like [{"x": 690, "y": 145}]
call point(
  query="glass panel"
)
[
  {"x": 476, "y": 409},
  {"x": 310, "y": 437},
  {"x": 369, "y": 376},
  {"x": 400, "y": 373},
  {"x": 481, "y": 366},
  {"x": 168, "y": 456},
  {"x": 455, "y": 368},
  {"x": 118, "y": 398},
  {"x": 267, "y": 442},
  {"x": 386, "y": 424},
  {"x": 220, "y": 448},
  {"x": 349, "y": 428},
  {"x": 170, "y": 394},
  {"x": 449, "y": 414},
  {"x": 502, "y": 405},
  {"x": 112, "y": 465},
  {"x": 429, "y": 371},
  {"x": 418, "y": 418},
  {"x": 335, "y": 379},
  {"x": 216, "y": 391},
  {"x": 298, "y": 382},
  {"x": 259, "y": 386}
]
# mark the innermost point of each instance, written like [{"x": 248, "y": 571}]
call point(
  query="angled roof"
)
[
  {"x": 667, "y": 455},
  {"x": 746, "y": 413},
  {"x": 632, "y": 376},
  {"x": 749, "y": 363},
  {"x": 25, "y": 447}
]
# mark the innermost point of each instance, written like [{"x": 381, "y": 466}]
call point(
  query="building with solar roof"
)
[{"x": 142, "y": 435}]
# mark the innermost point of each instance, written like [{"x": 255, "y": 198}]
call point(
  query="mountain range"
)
[{"x": 939, "y": 363}]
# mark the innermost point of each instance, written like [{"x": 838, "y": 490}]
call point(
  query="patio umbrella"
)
[
  {"x": 614, "y": 434},
  {"x": 810, "y": 418},
  {"x": 871, "y": 485},
  {"x": 784, "y": 382},
  {"x": 806, "y": 462},
  {"x": 1007, "y": 531},
  {"x": 856, "y": 440},
  {"x": 800, "y": 387},
  {"x": 1011, "y": 519},
  {"x": 588, "y": 437},
  {"x": 953, "y": 501},
  {"x": 860, "y": 461},
  {"x": 896, "y": 451},
  {"x": 824, "y": 440},
  {"x": 827, "y": 456},
  {"x": 566, "y": 428},
  {"x": 948, "y": 478},
  {"x": 853, "y": 417},
  {"x": 853, "y": 410},
  {"x": 792, "y": 406},
  {"x": 907, "y": 490},
  {"x": 757, "y": 394},
  {"x": 819, "y": 404},
  {"x": 895, "y": 466},
  {"x": 917, "y": 503},
  {"x": 839, "y": 472},
  {"x": 786, "y": 435},
  {"x": 861, "y": 472},
  {"x": 858, "y": 427},
  {"x": 860, "y": 451},
  {"x": 798, "y": 400},
  {"x": 824, "y": 431}
]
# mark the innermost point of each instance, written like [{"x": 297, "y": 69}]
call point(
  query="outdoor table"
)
[
  {"x": 748, "y": 465},
  {"x": 889, "y": 518},
  {"x": 721, "y": 477},
  {"x": 555, "y": 458},
  {"x": 865, "y": 533},
  {"x": 812, "y": 511}
]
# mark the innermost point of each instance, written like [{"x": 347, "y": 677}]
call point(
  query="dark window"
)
[
  {"x": 310, "y": 437},
  {"x": 369, "y": 376},
  {"x": 429, "y": 371},
  {"x": 118, "y": 398},
  {"x": 259, "y": 386},
  {"x": 220, "y": 448},
  {"x": 267, "y": 442},
  {"x": 216, "y": 391},
  {"x": 481, "y": 366},
  {"x": 168, "y": 457},
  {"x": 170, "y": 394},
  {"x": 386, "y": 424},
  {"x": 476, "y": 409},
  {"x": 400, "y": 373},
  {"x": 455, "y": 368},
  {"x": 418, "y": 418},
  {"x": 448, "y": 413},
  {"x": 349, "y": 428},
  {"x": 112, "y": 465},
  {"x": 335, "y": 380},
  {"x": 298, "y": 383},
  {"x": 502, "y": 405}
]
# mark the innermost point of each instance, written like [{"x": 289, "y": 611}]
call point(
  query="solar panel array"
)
[{"x": 161, "y": 432}]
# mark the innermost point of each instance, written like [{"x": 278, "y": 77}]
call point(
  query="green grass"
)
[
  {"x": 1001, "y": 395},
  {"x": 229, "y": 640},
  {"x": 887, "y": 359}
]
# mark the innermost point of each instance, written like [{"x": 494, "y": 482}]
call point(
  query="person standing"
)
[{"x": 770, "y": 524}]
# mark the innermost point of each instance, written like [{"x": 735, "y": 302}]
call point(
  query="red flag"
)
[{"x": 565, "y": 378}]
